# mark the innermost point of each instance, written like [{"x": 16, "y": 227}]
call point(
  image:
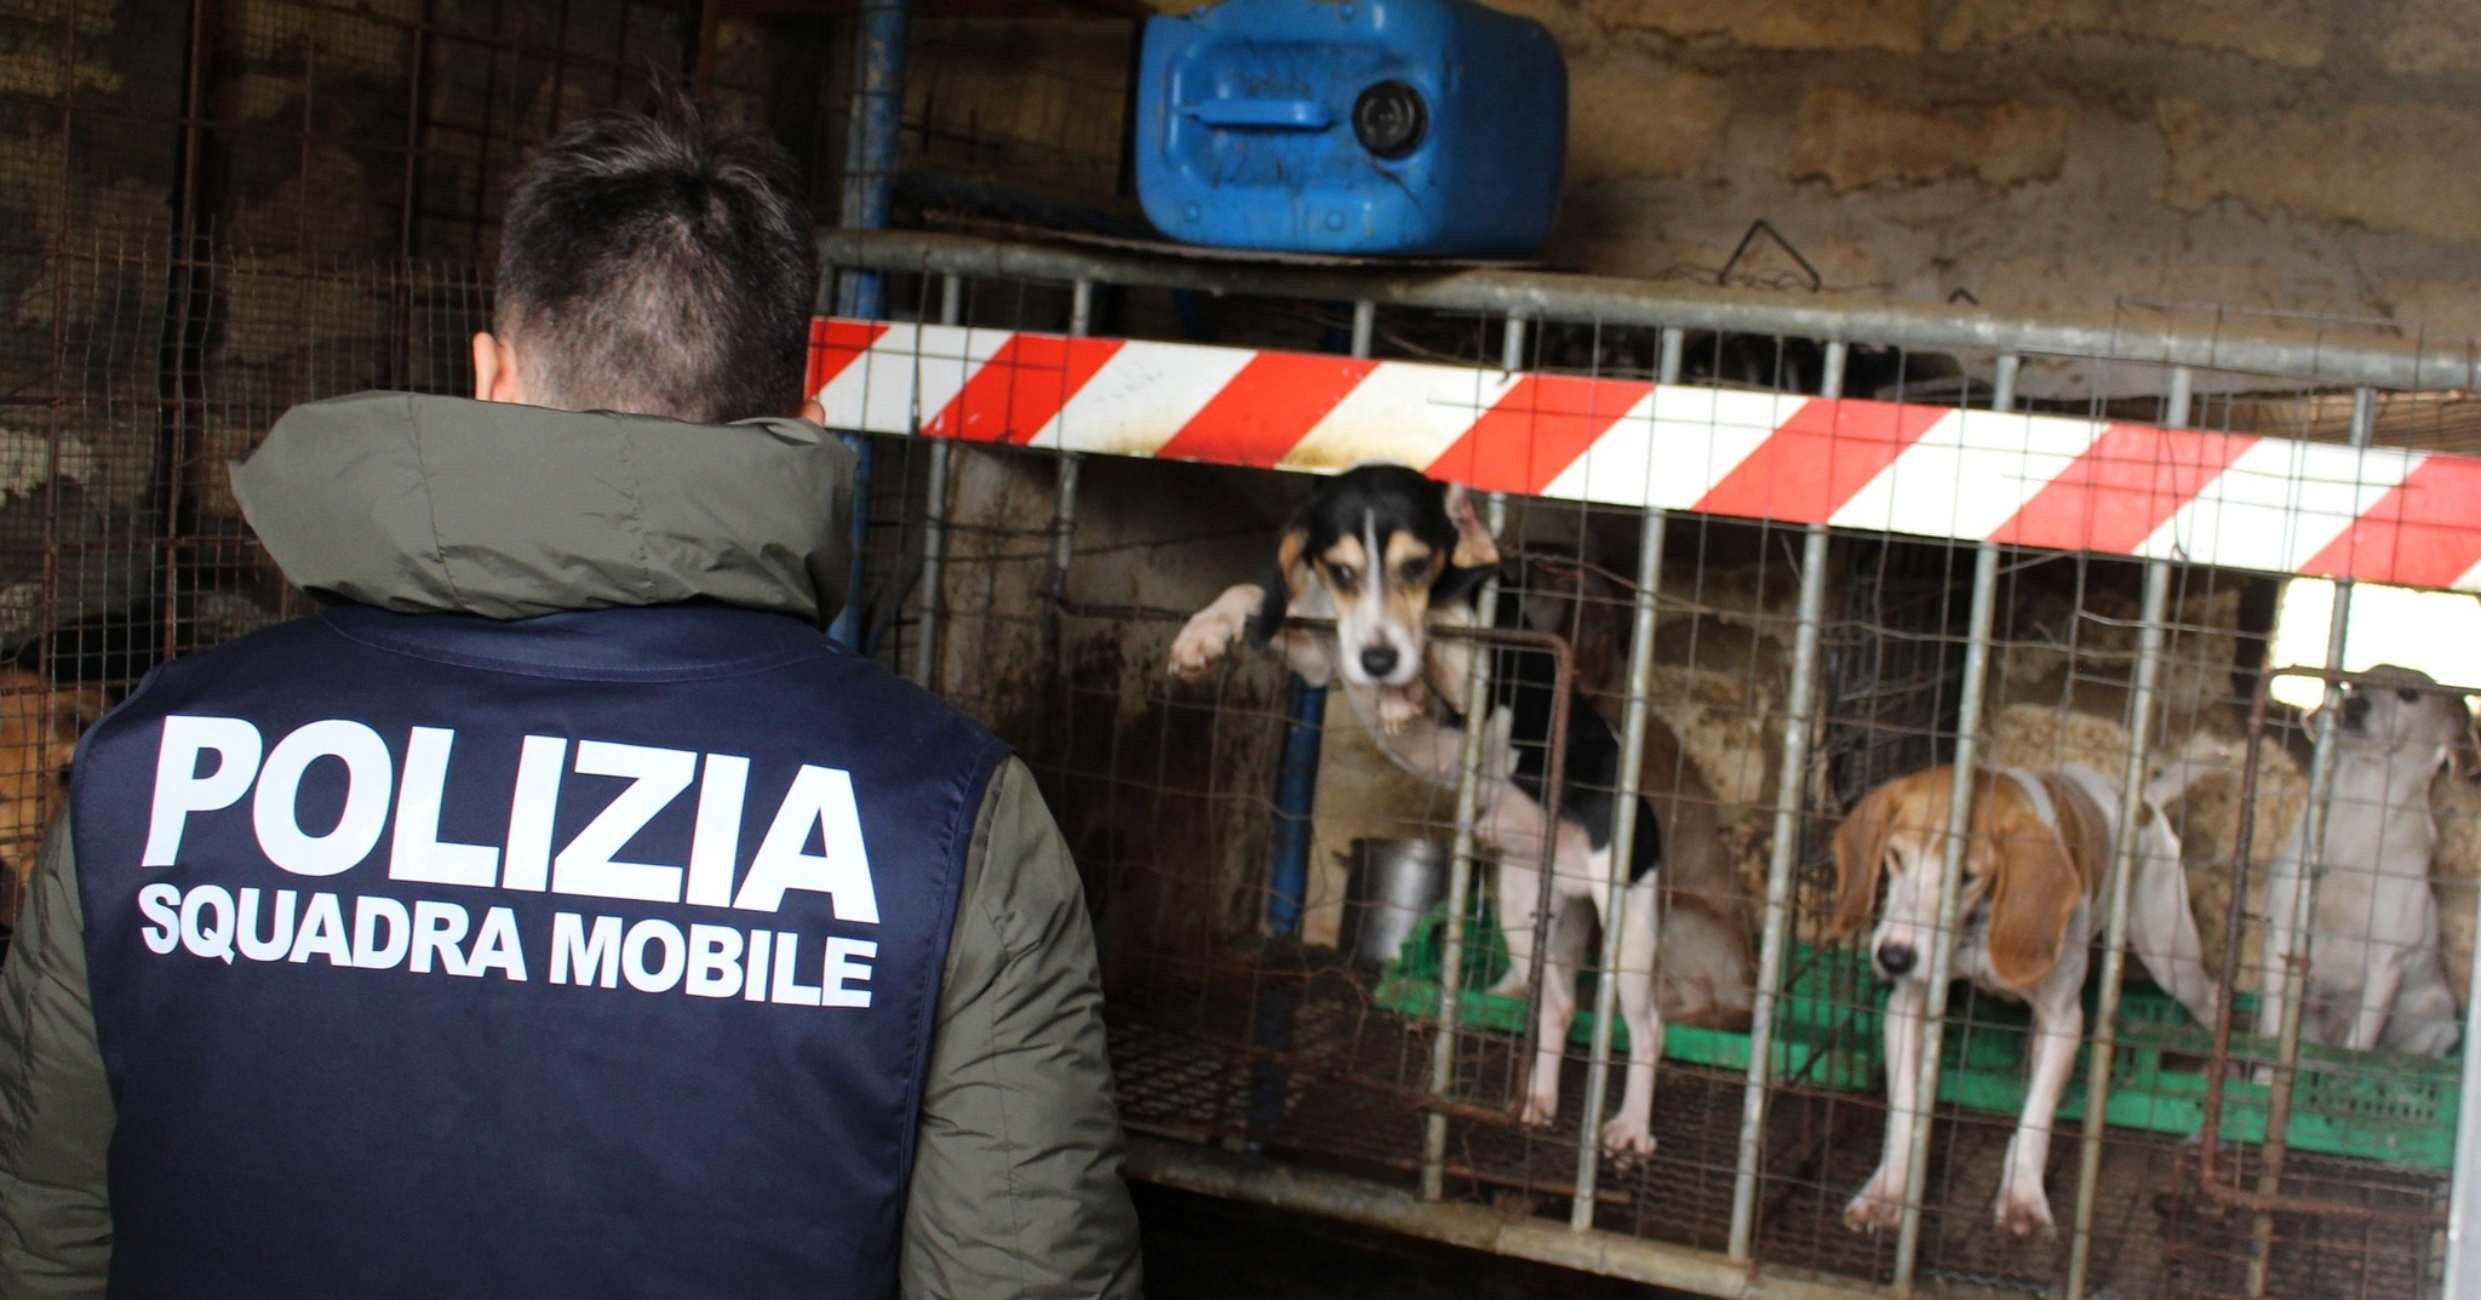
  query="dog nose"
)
[
  {"x": 1897, "y": 959},
  {"x": 1378, "y": 660},
  {"x": 2355, "y": 707}
]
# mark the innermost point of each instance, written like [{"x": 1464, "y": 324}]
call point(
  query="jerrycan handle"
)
[{"x": 1262, "y": 114}]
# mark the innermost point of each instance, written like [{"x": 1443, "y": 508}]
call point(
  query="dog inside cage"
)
[
  {"x": 1847, "y": 892},
  {"x": 1353, "y": 835}
]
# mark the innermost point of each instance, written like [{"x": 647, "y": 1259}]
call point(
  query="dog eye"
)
[
  {"x": 1343, "y": 575},
  {"x": 2406, "y": 694},
  {"x": 1414, "y": 569}
]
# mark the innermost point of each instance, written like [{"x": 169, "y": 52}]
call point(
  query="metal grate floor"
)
[{"x": 1280, "y": 1050}]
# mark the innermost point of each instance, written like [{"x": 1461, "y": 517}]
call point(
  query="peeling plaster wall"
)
[{"x": 2051, "y": 156}]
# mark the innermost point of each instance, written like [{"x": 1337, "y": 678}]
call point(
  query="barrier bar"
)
[
  {"x": 1942, "y": 953},
  {"x": 1623, "y": 844}
]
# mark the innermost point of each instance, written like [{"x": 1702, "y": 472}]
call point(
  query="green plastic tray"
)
[
  {"x": 1826, "y": 1031},
  {"x": 2376, "y": 1106}
]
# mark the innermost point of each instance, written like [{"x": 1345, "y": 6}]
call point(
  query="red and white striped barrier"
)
[{"x": 2236, "y": 500}]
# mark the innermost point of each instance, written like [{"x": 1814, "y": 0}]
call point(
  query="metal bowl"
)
[{"x": 1389, "y": 885}]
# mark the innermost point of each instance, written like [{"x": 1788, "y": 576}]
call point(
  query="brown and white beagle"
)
[
  {"x": 2036, "y": 856},
  {"x": 39, "y": 728}
]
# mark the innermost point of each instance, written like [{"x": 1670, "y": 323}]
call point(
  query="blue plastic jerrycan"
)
[{"x": 1416, "y": 128}]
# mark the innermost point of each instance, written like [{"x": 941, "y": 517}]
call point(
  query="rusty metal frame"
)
[{"x": 2285, "y": 1071}]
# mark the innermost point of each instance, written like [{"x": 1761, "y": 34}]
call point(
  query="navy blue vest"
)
[{"x": 590, "y": 955}]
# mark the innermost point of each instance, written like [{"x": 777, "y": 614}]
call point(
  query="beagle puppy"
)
[
  {"x": 1391, "y": 555},
  {"x": 2036, "y": 856},
  {"x": 2375, "y": 981},
  {"x": 1386, "y": 553}
]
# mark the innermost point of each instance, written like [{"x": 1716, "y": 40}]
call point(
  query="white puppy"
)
[{"x": 2375, "y": 980}]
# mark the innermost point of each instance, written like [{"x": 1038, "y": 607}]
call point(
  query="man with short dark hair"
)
[{"x": 557, "y": 913}]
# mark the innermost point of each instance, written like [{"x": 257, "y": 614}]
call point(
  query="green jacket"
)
[{"x": 427, "y": 504}]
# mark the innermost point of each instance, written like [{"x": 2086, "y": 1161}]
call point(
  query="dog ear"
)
[
  {"x": 2465, "y": 754},
  {"x": 1860, "y": 859},
  {"x": 1449, "y": 659},
  {"x": 1595, "y": 635},
  {"x": 2034, "y": 886},
  {"x": 1475, "y": 547},
  {"x": 1292, "y": 577},
  {"x": 74, "y": 711}
]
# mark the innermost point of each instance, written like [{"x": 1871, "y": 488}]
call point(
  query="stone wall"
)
[{"x": 2051, "y": 156}]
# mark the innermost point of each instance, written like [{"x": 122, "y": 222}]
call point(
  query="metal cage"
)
[{"x": 1824, "y": 546}]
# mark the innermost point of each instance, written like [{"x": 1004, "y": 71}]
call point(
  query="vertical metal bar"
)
[
  {"x": 2151, "y": 634},
  {"x": 1063, "y": 526},
  {"x": 1951, "y": 870},
  {"x": 2463, "y": 1209},
  {"x": 1512, "y": 344},
  {"x": 1675, "y": 346},
  {"x": 1460, "y": 877},
  {"x": 935, "y": 523},
  {"x": 873, "y": 146},
  {"x": 872, "y": 153},
  {"x": 1831, "y": 382},
  {"x": 2003, "y": 384},
  {"x": 1287, "y": 874},
  {"x": 1081, "y": 309},
  {"x": 2291, "y": 984},
  {"x": 1064, "y": 513},
  {"x": 1784, "y": 856},
  {"x": 2183, "y": 395},
  {"x": 1799, "y": 721},
  {"x": 1296, "y": 792},
  {"x": 1623, "y": 847},
  {"x": 1305, "y": 711},
  {"x": 702, "y": 76}
]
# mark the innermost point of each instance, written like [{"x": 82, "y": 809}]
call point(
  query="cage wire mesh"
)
[
  {"x": 1066, "y": 578},
  {"x": 210, "y": 213},
  {"x": 300, "y": 203}
]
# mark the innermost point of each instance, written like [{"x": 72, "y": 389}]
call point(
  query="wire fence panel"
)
[
  {"x": 1246, "y": 1018},
  {"x": 1065, "y": 473}
]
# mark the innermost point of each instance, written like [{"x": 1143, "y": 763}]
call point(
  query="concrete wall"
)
[{"x": 2043, "y": 155}]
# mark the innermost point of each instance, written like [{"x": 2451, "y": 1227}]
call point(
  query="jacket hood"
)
[{"x": 425, "y": 505}]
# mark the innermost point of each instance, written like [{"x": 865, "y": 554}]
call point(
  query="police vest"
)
[{"x": 589, "y": 955}]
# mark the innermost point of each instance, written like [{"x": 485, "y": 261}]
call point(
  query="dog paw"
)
[
  {"x": 1203, "y": 640},
  {"x": 1541, "y": 1104},
  {"x": 1877, "y": 1208},
  {"x": 1399, "y": 706},
  {"x": 1628, "y": 1136},
  {"x": 1510, "y": 985},
  {"x": 2024, "y": 1214}
]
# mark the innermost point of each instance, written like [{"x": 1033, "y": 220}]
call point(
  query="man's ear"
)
[
  {"x": 813, "y": 412},
  {"x": 495, "y": 371},
  {"x": 1475, "y": 547}
]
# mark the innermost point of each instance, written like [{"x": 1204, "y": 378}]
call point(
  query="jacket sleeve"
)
[
  {"x": 1016, "y": 1176},
  {"x": 55, "y": 1110}
]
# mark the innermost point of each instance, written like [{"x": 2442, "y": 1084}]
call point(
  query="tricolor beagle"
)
[{"x": 2036, "y": 857}]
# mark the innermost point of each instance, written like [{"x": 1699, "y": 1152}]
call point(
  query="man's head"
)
[{"x": 653, "y": 263}]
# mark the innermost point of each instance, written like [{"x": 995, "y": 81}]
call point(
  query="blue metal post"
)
[
  {"x": 1296, "y": 781},
  {"x": 1287, "y": 876},
  {"x": 872, "y": 149},
  {"x": 1296, "y": 790},
  {"x": 872, "y": 153}
]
